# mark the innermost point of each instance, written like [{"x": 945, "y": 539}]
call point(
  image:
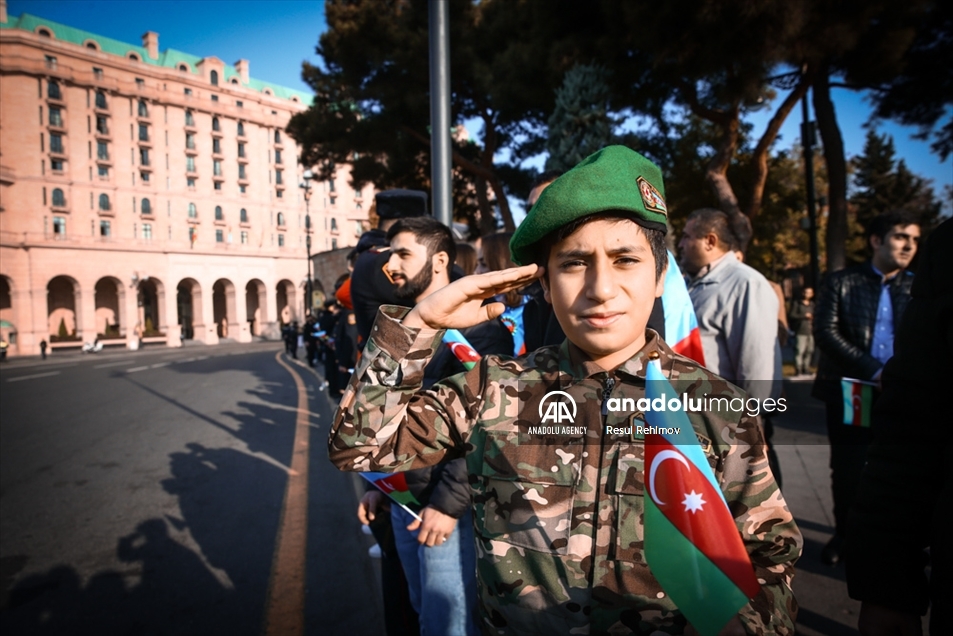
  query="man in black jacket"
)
[
  {"x": 437, "y": 552},
  {"x": 854, "y": 330},
  {"x": 907, "y": 483}
]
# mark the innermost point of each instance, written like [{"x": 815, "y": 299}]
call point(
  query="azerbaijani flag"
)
[
  {"x": 681, "y": 324},
  {"x": 692, "y": 543},
  {"x": 465, "y": 353},
  {"x": 394, "y": 485},
  {"x": 858, "y": 400}
]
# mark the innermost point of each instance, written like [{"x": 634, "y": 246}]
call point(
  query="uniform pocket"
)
[
  {"x": 629, "y": 490},
  {"x": 527, "y": 494}
]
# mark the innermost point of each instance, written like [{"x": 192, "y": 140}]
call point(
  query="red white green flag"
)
[{"x": 692, "y": 543}]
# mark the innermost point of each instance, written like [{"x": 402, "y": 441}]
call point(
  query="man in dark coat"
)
[
  {"x": 907, "y": 483},
  {"x": 857, "y": 310}
]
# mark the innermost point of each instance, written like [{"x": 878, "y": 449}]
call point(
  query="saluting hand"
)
[{"x": 460, "y": 304}]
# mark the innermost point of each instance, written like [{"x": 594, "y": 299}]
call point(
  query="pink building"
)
[{"x": 150, "y": 192}]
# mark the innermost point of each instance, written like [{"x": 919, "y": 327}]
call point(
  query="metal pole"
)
[
  {"x": 307, "y": 242},
  {"x": 808, "y": 139},
  {"x": 440, "y": 111}
]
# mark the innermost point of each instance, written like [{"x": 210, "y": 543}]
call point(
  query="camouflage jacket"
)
[{"x": 558, "y": 518}]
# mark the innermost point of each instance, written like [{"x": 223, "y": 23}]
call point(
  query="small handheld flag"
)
[
  {"x": 692, "y": 543},
  {"x": 394, "y": 485},
  {"x": 681, "y": 324},
  {"x": 465, "y": 353},
  {"x": 858, "y": 401}
]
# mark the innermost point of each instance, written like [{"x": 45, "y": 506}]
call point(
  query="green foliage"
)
[
  {"x": 580, "y": 124},
  {"x": 883, "y": 183},
  {"x": 62, "y": 333}
]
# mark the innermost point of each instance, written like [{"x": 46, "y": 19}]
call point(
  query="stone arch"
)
[
  {"x": 188, "y": 302},
  {"x": 62, "y": 308},
  {"x": 256, "y": 306},
  {"x": 285, "y": 302},
  {"x": 151, "y": 304},
  {"x": 223, "y": 309},
  {"x": 109, "y": 296}
]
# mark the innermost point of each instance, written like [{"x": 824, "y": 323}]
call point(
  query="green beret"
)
[{"x": 615, "y": 179}]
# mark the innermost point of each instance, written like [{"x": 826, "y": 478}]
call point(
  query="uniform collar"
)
[{"x": 574, "y": 363}]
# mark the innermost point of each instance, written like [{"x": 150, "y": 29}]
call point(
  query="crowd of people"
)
[{"x": 547, "y": 538}]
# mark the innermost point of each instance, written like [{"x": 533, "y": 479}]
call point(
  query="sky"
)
[{"x": 278, "y": 35}]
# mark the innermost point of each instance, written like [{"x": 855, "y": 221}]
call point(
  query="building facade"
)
[{"x": 149, "y": 194}]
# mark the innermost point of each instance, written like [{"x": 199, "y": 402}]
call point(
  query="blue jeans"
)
[{"x": 442, "y": 579}]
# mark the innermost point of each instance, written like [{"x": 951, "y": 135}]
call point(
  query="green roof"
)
[{"x": 169, "y": 58}]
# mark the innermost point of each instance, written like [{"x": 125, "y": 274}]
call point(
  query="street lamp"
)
[{"x": 306, "y": 186}]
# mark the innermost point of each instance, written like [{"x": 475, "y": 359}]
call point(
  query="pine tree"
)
[{"x": 580, "y": 124}]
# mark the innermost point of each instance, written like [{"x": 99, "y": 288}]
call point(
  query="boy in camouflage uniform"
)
[{"x": 558, "y": 518}]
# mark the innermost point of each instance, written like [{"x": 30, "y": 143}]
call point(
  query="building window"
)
[
  {"x": 239, "y": 104},
  {"x": 216, "y": 125},
  {"x": 53, "y": 90},
  {"x": 97, "y": 73},
  {"x": 217, "y": 168},
  {"x": 45, "y": 33},
  {"x": 241, "y": 149},
  {"x": 133, "y": 57},
  {"x": 334, "y": 244},
  {"x": 277, "y": 136},
  {"x": 193, "y": 213},
  {"x": 241, "y": 171},
  {"x": 183, "y": 68},
  {"x": 56, "y": 116},
  {"x": 56, "y": 143},
  {"x": 241, "y": 129},
  {"x": 189, "y": 141},
  {"x": 143, "y": 109},
  {"x": 278, "y": 180},
  {"x": 188, "y": 91},
  {"x": 190, "y": 183},
  {"x": 101, "y": 125},
  {"x": 217, "y": 146},
  {"x": 334, "y": 224},
  {"x": 59, "y": 201},
  {"x": 213, "y": 76},
  {"x": 242, "y": 215},
  {"x": 189, "y": 119},
  {"x": 102, "y": 150},
  {"x": 241, "y": 189},
  {"x": 56, "y": 165},
  {"x": 59, "y": 226},
  {"x": 217, "y": 185},
  {"x": 143, "y": 132},
  {"x": 244, "y": 237},
  {"x": 219, "y": 215},
  {"x": 146, "y": 207},
  {"x": 144, "y": 156},
  {"x": 103, "y": 172},
  {"x": 50, "y": 61},
  {"x": 190, "y": 164},
  {"x": 214, "y": 98},
  {"x": 104, "y": 202},
  {"x": 219, "y": 236},
  {"x": 277, "y": 156},
  {"x": 280, "y": 194},
  {"x": 281, "y": 240},
  {"x": 281, "y": 219},
  {"x": 101, "y": 100},
  {"x": 140, "y": 84},
  {"x": 144, "y": 176},
  {"x": 104, "y": 229},
  {"x": 147, "y": 231}
]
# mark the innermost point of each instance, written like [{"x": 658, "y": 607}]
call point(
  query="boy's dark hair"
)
[
  {"x": 656, "y": 239},
  {"x": 714, "y": 221},
  {"x": 429, "y": 232},
  {"x": 883, "y": 223}
]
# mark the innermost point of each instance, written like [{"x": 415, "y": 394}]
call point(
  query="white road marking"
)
[
  {"x": 111, "y": 364},
  {"x": 160, "y": 364},
  {"x": 134, "y": 369},
  {"x": 35, "y": 375}
]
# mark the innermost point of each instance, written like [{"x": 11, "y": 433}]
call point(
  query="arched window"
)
[
  {"x": 214, "y": 77},
  {"x": 277, "y": 136},
  {"x": 90, "y": 44},
  {"x": 193, "y": 212},
  {"x": 241, "y": 129},
  {"x": 184, "y": 68},
  {"x": 146, "y": 206},
  {"x": 234, "y": 80},
  {"x": 281, "y": 218},
  {"x": 219, "y": 216},
  {"x": 216, "y": 125},
  {"x": 59, "y": 200},
  {"x": 133, "y": 57},
  {"x": 104, "y": 202},
  {"x": 243, "y": 215},
  {"x": 143, "y": 109},
  {"x": 53, "y": 90},
  {"x": 101, "y": 100},
  {"x": 45, "y": 33}
]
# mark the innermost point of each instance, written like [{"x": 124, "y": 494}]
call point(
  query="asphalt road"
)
[{"x": 148, "y": 493}]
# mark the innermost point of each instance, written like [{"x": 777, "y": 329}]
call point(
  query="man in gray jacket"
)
[{"x": 737, "y": 311}]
